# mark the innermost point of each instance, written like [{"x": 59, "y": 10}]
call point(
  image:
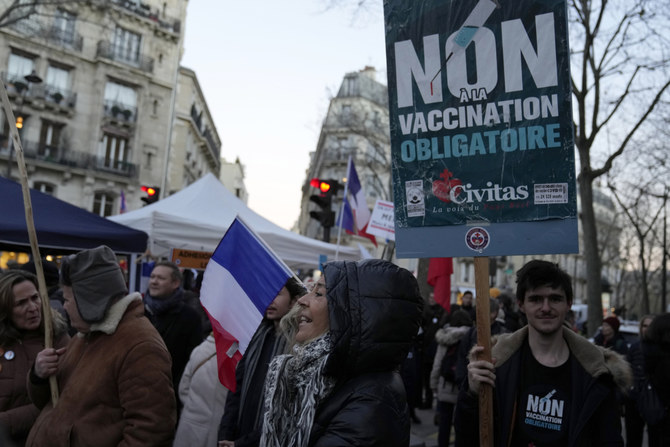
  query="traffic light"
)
[
  {"x": 326, "y": 215},
  {"x": 152, "y": 194},
  {"x": 19, "y": 122}
]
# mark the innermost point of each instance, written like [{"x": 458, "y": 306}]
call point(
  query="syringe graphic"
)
[
  {"x": 467, "y": 31},
  {"x": 545, "y": 399}
]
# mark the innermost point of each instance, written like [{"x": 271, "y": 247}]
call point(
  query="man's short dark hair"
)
[
  {"x": 537, "y": 273},
  {"x": 176, "y": 274}
]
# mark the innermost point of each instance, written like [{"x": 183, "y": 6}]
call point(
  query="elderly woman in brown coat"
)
[
  {"x": 114, "y": 376},
  {"x": 21, "y": 338}
]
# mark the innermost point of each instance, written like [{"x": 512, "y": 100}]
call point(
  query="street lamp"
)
[{"x": 31, "y": 78}]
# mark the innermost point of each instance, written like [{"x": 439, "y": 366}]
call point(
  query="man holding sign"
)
[{"x": 552, "y": 387}]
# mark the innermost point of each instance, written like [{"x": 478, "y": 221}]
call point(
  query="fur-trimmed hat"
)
[{"x": 96, "y": 279}]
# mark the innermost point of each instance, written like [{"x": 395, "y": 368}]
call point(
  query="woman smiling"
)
[{"x": 340, "y": 384}]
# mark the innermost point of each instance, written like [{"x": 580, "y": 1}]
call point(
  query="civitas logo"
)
[
  {"x": 459, "y": 193},
  {"x": 442, "y": 189}
]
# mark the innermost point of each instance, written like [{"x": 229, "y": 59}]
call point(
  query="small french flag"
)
[{"x": 242, "y": 278}]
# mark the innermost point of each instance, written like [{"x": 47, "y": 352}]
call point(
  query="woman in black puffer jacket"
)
[{"x": 340, "y": 386}]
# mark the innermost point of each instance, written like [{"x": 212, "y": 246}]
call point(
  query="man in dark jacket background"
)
[{"x": 178, "y": 324}]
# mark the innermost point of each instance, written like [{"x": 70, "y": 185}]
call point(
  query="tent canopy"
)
[
  {"x": 197, "y": 217},
  {"x": 60, "y": 226}
]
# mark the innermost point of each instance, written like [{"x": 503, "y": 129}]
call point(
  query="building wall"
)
[
  {"x": 232, "y": 177},
  {"x": 130, "y": 45},
  {"x": 356, "y": 124}
]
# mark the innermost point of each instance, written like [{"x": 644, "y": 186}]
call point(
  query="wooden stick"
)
[
  {"x": 32, "y": 234},
  {"x": 484, "y": 339}
]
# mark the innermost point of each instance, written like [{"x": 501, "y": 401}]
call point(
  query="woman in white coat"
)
[{"x": 203, "y": 396}]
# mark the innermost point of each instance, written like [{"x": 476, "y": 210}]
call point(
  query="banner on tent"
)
[{"x": 481, "y": 127}]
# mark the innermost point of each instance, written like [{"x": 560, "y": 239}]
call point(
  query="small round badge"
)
[
  {"x": 9, "y": 355},
  {"x": 477, "y": 239}
]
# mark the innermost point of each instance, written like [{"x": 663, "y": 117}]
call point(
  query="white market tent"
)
[{"x": 197, "y": 217}]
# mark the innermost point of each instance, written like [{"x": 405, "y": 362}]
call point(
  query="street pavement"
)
[{"x": 425, "y": 433}]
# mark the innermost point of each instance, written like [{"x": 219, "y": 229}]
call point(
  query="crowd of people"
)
[{"x": 346, "y": 362}]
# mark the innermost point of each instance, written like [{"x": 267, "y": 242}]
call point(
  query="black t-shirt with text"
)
[{"x": 542, "y": 417}]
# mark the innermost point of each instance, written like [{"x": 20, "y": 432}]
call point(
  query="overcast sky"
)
[{"x": 267, "y": 70}]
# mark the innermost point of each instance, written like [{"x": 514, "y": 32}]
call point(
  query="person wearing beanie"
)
[
  {"x": 609, "y": 336},
  {"x": 178, "y": 323},
  {"x": 114, "y": 376}
]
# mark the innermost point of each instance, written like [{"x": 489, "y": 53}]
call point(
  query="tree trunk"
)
[
  {"x": 593, "y": 263},
  {"x": 645, "y": 281}
]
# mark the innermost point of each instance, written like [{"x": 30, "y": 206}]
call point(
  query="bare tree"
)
[
  {"x": 619, "y": 76},
  {"x": 14, "y": 11},
  {"x": 643, "y": 215}
]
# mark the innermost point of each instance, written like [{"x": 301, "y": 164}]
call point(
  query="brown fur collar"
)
[{"x": 594, "y": 359}]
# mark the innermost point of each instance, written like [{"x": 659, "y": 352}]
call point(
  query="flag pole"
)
[
  {"x": 32, "y": 234},
  {"x": 344, "y": 197}
]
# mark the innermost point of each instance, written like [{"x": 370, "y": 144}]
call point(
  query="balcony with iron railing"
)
[
  {"x": 55, "y": 36},
  {"x": 18, "y": 87},
  {"x": 120, "y": 111},
  {"x": 143, "y": 10},
  {"x": 107, "y": 50},
  {"x": 58, "y": 155}
]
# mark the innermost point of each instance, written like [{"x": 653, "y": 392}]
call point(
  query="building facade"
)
[
  {"x": 356, "y": 125},
  {"x": 113, "y": 111}
]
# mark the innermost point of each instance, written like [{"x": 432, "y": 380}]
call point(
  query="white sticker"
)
[
  {"x": 415, "y": 198},
  {"x": 548, "y": 193}
]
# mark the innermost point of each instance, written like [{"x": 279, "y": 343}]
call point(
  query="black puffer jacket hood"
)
[{"x": 375, "y": 310}]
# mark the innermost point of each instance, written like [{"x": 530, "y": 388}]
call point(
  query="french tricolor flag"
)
[
  {"x": 355, "y": 213},
  {"x": 242, "y": 278}
]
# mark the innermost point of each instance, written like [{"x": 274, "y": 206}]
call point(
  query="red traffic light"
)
[
  {"x": 321, "y": 184},
  {"x": 149, "y": 190}
]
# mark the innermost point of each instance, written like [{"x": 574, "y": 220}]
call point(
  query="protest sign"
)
[{"x": 481, "y": 127}]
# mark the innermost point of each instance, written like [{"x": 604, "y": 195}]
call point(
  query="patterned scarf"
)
[{"x": 294, "y": 387}]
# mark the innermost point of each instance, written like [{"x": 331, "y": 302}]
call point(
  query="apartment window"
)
[
  {"x": 126, "y": 45},
  {"x": 63, "y": 27},
  {"x": 58, "y": 80},
  {"x": 18, "y": 67},
  {"x": 49, "y": 138},
  {"x": 114, "y": 151},
  {"x": 465, "y": 277},
  {"x": 119, "y": 97},
  {"x": 346, "y": 112},
  {"x": 46, "y": 188},
  {"x": 103, "y": 204}
]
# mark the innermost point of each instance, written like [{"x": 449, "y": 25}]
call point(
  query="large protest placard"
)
[{"x": 481, "y": 127}]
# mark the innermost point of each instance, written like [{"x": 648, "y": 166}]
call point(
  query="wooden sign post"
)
[
  {"x": 32, "y": 234},
  {"x": 484, "y": 339}
]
